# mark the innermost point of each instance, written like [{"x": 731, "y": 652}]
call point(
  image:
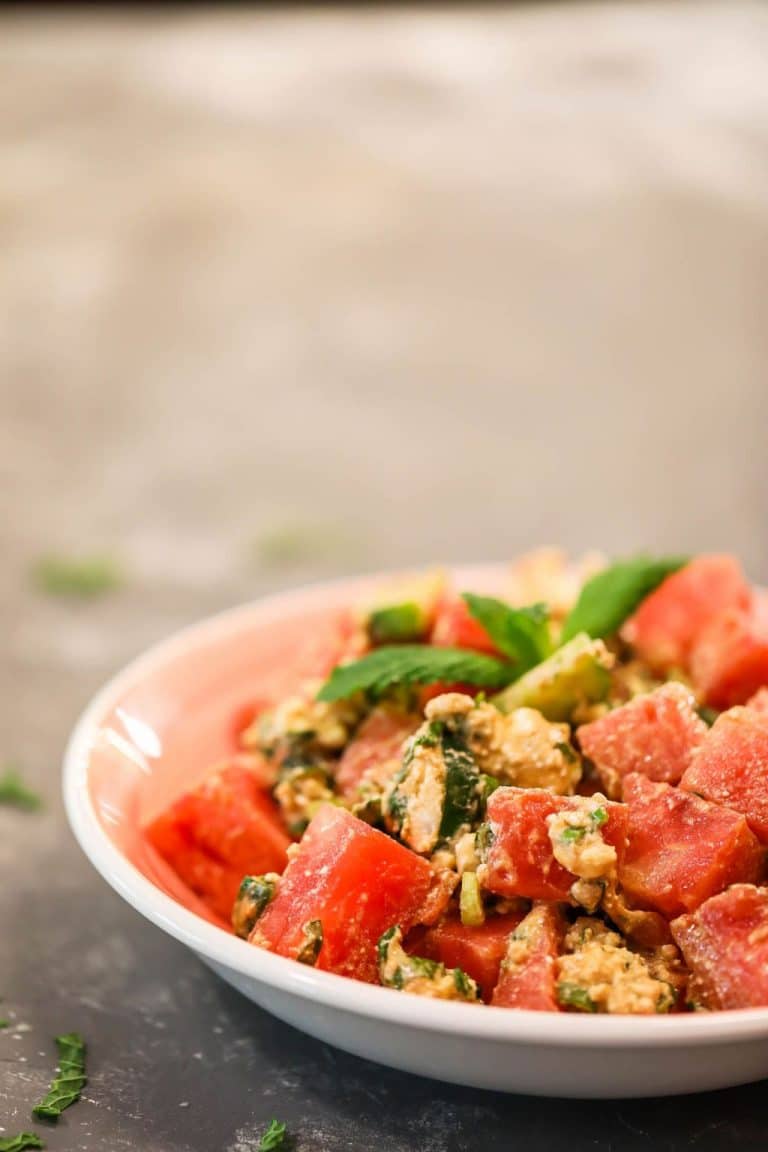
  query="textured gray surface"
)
[{"x": 444, "y": 284}]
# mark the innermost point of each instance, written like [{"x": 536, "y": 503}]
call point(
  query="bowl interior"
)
[{"x": 174, "y": 714}]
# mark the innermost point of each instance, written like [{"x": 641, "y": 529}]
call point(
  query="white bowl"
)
[{"x": 132, "y": 750}]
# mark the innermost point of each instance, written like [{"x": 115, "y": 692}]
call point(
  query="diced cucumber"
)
[
  {"x": 470, "y": 901},
  {"x": 575, "y": 675},
  {"x": 404, "y": 610}
]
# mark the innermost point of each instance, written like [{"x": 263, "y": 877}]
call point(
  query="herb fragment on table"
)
[
  {"x": 5, "y": 1023},
  {"x": 520, "y": 634},
  {"x": 613, "y": 594},
  {"x": 69, "y": 1082},
  {"x": 21, "y": 1142},
  {"x": 274, "y": 1138},
  {"x": 414, "y": 664},
  {"x": 14, "y": 792},
  {"x": 79, "y": 577}
]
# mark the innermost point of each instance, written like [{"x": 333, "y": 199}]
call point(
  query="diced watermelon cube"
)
[
  {"x": 455, "y": 627},
  {"x": 528, "y": 975},
  {"x": 356, "y": 881},
  {"x": 682, "y": 849},
  {"x": 520, "y": 860},
  {"x": 655, "y": 734},
  {"x": 226, "y": 827},
  {"x": 729, "y": 661},
  {"x": 477, "y": 950},
  {"x": 377, "y": 742},
  {"x": 669, "y": 621},
  {"x": 731, "y": 767},
  {"x": 725, "y": 945}
]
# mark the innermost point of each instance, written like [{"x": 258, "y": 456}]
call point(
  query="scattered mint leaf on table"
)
[
  {"x": 82, "y": 577},
  {"x": 21, "y": 1142},
  {"x": 69, "y": 1082},
  {"x": 274, "y": 1137},
  {"x": 522, "y": 634},
  {"x": 14, "y": 792},
  {"x": 612, "y": 595},
  {"x": 5, "y": 1023},
  {"x": 414, "y": 664}
]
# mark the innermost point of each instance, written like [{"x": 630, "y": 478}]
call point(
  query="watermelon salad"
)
[{"x": 555, "y": 799}]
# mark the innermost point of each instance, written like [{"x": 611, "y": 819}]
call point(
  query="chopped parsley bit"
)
[
  {"x": 21, "y": 1142},
  {"x": 599, "y": 817},
  {"x": 15, "y": 793},
  {"x": 274, "y": 1138},
  {"x": 69, "y": 1082},
  {"x": 5, "y": 1023},
  {"x": 85, "y": 577},
  {"x": 573, "y": 996},
  {"x": 573, "y": 835}
]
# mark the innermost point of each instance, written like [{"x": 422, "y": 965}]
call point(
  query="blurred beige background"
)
[{"x": 428, "y": 283}]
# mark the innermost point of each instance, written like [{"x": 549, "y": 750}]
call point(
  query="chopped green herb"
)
[
  {"x": 254, "y": 894},
  {"x": 573, "y": 996},
  {"x": 14, "y": 792},
  {"x": 5, "y": 1023},
  {"x": 21, "y": 1142},
  {"x": 573, "y": 835},
  {"x": 521, "y": 634},
  {"x": 85, "y": 577},
  {"x": 599, "y": 817},
  {"x": 313, "y": 942},
  {"x": 612, "y": 595},
  {"x": 274, "y": 1138},
  {"x": 414, "y": 664},
  {"x": 71, "y": 1079}
]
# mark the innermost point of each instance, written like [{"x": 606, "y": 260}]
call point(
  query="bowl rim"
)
[{"x": 324, "y": 988}]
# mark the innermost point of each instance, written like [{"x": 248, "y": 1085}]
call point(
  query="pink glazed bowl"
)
[{"x": 157, "y": 727}]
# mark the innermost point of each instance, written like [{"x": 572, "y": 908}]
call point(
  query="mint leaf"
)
[
  {"x": 522, "y": 634},
  {"x": 21, "y": 1142},
  {"x": 274, "y": 1138},
  {"x": 414, "y": 664},
  {"x": 612, "y": 595},
  {"x": 14, "y": 792},
  {"x": 69, "y": 1082},
  {"x": 82, "y": 577}
]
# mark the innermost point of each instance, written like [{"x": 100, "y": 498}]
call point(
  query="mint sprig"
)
[
  {"x": 20, "y": 1142},
  {"x": 521, "y": 634},
  {"x": 613, "y": 595},
  {"x": 414, "y": 664},
  {"x": 274, "y": 1138},
  {"x": 69, "y": 1082}
]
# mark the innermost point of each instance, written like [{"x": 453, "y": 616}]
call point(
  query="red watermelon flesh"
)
[
  {"x": 529, "y": 980},
  {"x": 731, "y": 767},
  {"x": 378, "y": 741},
  {"x": 655, "y": 734},
  {"x": 681, "y": 849},
  {"x": 669, "y": 621},
  {"x": 729, "y": 662},
  {"x": 356, "y": 881},
  {"x": 725, "y": 945}
]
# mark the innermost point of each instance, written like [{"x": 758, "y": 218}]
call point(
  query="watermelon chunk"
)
[
  {"x": 520, "y": 860},
  {"x": 655, "y": 734},
  {"x": 725, "y": 945},
  {"x": 731, "y": 767},
  {"x": 356, "y": 882},
  {"x": 377, "y": 742},
  {"x": 729, "y": 662},
  {"x": 528, "y": 974},
  {"x": 212, "y": 836},
  {"x": 669, "y": 621},
  {"x": 682, "y": 849},
  {"x": 477, "y": 950},
  {"x": 455, "y": 627}
]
